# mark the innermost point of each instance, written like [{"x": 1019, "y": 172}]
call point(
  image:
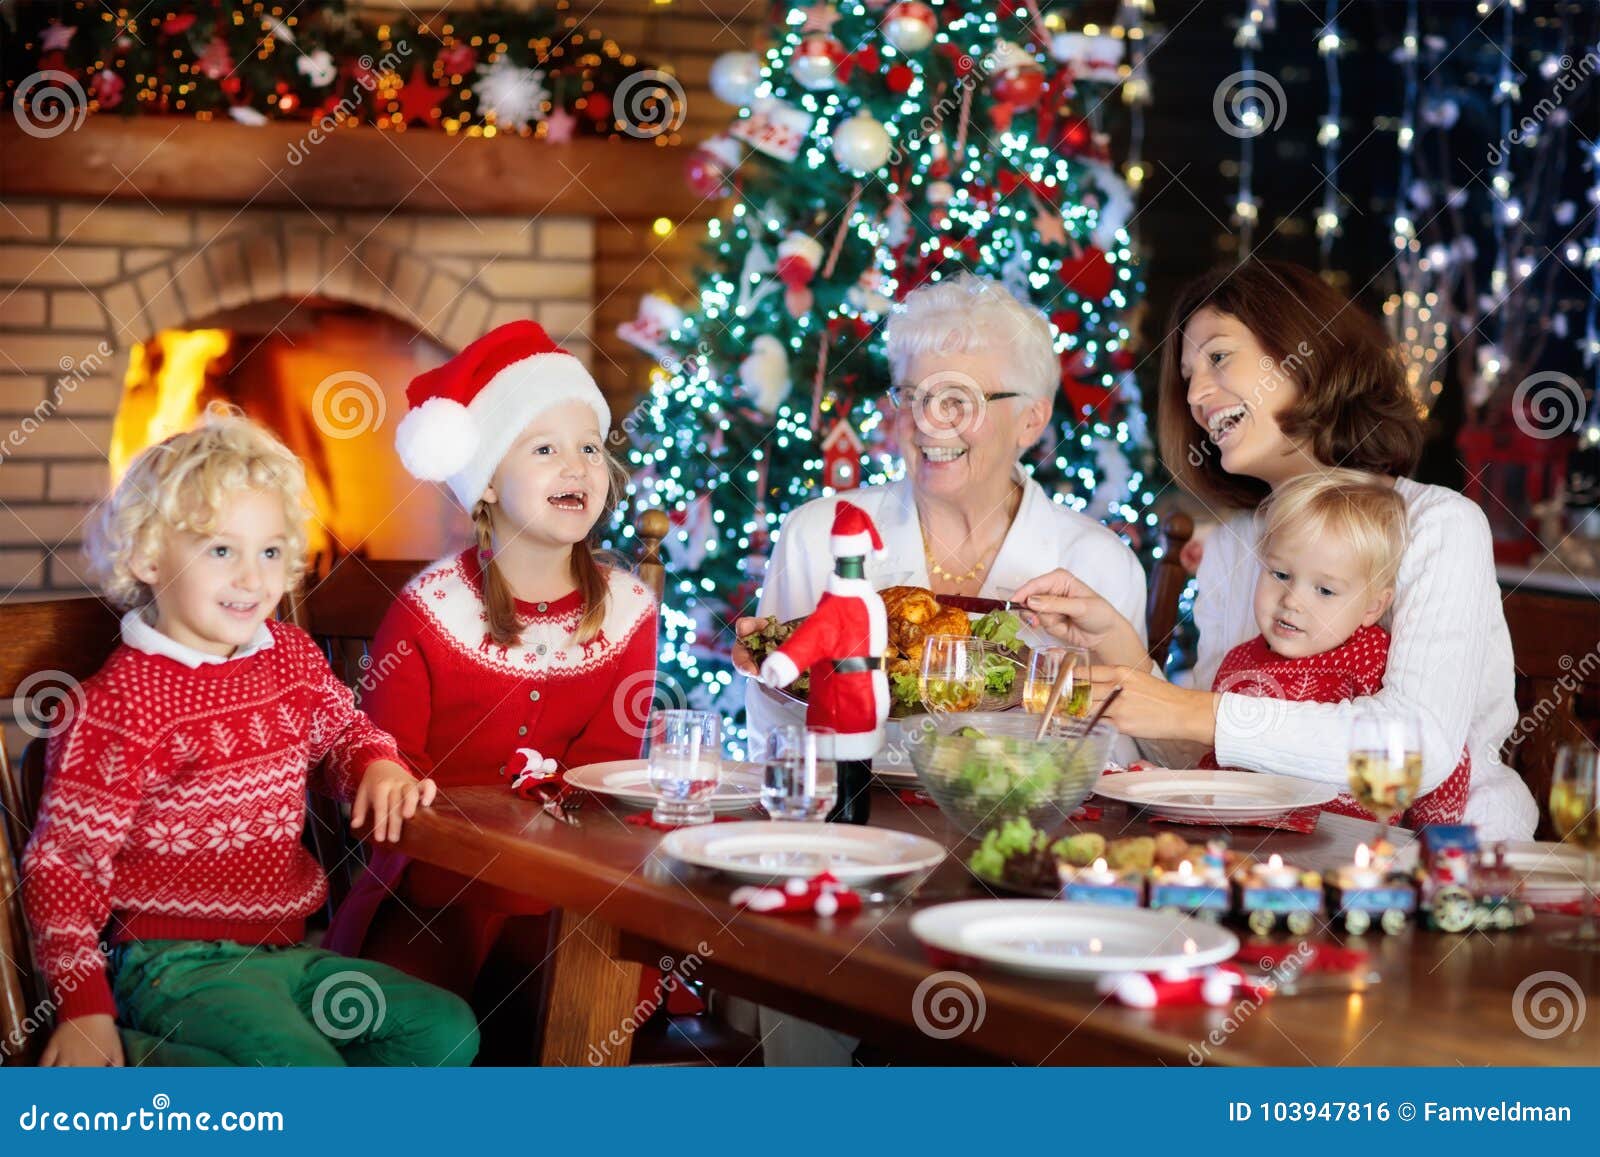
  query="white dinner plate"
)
[
  {"x": 1053, "y": 938},
  {"x": 629, "y": 781},
  {"x": 1214, "y": 796},
  {"x": 760, "y": 852},
  {"x": 1551, "y": 873}
]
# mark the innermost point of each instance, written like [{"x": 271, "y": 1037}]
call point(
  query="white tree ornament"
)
[{"x": 513, "y": 95}]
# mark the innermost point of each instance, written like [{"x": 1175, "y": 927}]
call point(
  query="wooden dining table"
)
[{"x": 1478, "y": 998}]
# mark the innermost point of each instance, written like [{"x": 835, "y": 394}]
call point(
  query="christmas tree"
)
[{"x": 879, "y": 147}]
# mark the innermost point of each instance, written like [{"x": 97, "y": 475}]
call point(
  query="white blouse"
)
[{"x": 1450, "y": 659}]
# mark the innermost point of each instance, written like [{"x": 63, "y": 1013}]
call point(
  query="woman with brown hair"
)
[{"x": 1269, "y": 374}]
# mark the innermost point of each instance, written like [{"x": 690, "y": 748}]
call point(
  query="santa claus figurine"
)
[{"x": 842, "y": 644}]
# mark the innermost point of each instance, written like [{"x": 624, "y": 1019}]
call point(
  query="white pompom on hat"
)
[
  {"x": 466, "y": 413},
  {"x": 854, "y": 534}
]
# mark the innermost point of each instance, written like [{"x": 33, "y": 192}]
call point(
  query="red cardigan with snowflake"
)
[
  {"x": 174, "y": 803},
  {"x": 1350, "y": 671},
  {"x": 465, "y": 710}
]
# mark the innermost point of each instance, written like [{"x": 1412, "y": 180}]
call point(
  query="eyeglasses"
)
[{"x": 951, "y": 400}]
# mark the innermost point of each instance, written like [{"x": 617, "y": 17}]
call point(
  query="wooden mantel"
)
[{"x": 222, "y": 163}]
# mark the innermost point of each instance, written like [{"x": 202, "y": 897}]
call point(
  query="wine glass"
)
[
  {"x": 1043, "y": 668},
  {"x": 1385, "y": 762},
  {"x": 951, "y": 678},
  {"x": 685, "y": 764},
  {"x": 1574, "y": 798},
  {"x": 800, "y": 778}
]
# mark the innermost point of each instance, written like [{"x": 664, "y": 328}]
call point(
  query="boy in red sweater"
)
[
  {"x": 1330, "y": 548},
  {"x": 175, "y": 799}
]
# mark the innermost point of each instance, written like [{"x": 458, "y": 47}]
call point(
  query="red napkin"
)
[
  {"x": 1303, "y": 821},
  {"x": 645, "y": 820},
  {"x": 822, "y": 895},
  {"x": 1217, "y": 985},
  {"x": 1224, "y": 983},
  {"x": 1321, "y": 958}
]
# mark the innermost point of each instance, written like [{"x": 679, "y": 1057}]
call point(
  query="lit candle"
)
[
  {"x": 1362, "y": 874},
  {"x": 1099, "y": 874},
  {"x": 1275, "y": 874}
]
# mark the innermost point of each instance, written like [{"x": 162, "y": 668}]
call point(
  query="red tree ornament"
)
[
  {"x": 898, "y": 79},
  {"x": 1089, "y": 274}
]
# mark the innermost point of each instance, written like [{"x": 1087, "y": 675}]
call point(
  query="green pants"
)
[{"x": 287, "y": 1006}]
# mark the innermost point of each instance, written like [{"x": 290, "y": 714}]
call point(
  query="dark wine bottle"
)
[{"x": 854, "y": 805}]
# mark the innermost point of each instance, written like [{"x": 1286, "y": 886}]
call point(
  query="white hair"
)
[{"x": 969, "y": 314}]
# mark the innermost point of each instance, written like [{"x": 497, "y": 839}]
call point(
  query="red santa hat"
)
[
  {"x": 854, "y": 533},
  {"x": 466, "y": 413}
]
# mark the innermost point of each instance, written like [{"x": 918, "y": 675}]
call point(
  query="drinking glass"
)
[
  {"x": 1043, "y": 668},
  {"x": 685, "y": 764},
  {"x": 951, "y": 678},
  {"x": 1574, "y": 799},
  {"x": 800, "y": 779},
  {"x": 1385, "y": 762}
]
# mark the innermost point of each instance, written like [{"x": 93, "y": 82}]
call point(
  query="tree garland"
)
[{"x": 484, "y": 72}]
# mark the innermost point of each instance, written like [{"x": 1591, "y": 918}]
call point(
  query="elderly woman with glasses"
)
[{"x": 975, "y": 375}]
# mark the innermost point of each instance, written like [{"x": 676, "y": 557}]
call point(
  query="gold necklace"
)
[{"x": 937, "y": 571}]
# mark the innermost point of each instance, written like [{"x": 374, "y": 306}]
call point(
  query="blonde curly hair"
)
[{"x": 180, "y": 485}]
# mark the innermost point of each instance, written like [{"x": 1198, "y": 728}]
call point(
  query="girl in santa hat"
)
[{"x": 513, "y": 660}]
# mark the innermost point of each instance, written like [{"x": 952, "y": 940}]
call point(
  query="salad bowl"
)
[{"x": 985, "y": 767}]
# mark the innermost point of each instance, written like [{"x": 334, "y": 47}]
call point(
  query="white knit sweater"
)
[{"x": 1450, "y": 659}]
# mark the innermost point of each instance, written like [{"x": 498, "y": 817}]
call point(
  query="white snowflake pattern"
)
[
  {"x": 284, "y": 823},
  {"x": 224, "y": 836},
  {"x": 170, "y": 839}
]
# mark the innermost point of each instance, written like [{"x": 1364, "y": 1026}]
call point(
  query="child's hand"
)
[
  {"x": 391, "y": 794},
  {"x": 85, "y": 1042}
]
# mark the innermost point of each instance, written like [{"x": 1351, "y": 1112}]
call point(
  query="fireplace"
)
[
  {"x": 327, "y": 378},
  {"x": 150, "y": 266}
]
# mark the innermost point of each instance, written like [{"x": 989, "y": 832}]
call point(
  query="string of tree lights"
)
[
  {"x": 538, "y": 72},
  {"x": 879, "y": 146}
]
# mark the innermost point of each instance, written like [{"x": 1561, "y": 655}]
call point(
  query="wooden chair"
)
[
  {"x": 1167, "y": 581},
  {"x": 48, "y": 648},
  {"x": 1555, "y": 641}
]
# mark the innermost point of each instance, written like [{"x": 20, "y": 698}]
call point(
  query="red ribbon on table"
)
[{"x": 645, "y": 820}]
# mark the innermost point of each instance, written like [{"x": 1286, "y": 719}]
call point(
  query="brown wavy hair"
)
[
  {"x": 589, "y": 568},
  {"x": 1352, "y": 406}
]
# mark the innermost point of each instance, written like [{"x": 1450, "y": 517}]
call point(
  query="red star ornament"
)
[{"x": 419, "y": 100}]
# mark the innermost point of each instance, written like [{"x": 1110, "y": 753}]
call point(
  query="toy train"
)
[{"x": 1454, "y": 888}]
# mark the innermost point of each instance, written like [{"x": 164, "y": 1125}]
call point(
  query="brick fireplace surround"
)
[{"x": 120, "y": 229}]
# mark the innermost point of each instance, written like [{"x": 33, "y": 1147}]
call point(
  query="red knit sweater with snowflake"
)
[
  {"x": 174, "y": 802},
  {"x": 1352, "y": 670}
]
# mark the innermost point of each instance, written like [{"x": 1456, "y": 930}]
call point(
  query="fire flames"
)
[{"x": 334, "y": 418}]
